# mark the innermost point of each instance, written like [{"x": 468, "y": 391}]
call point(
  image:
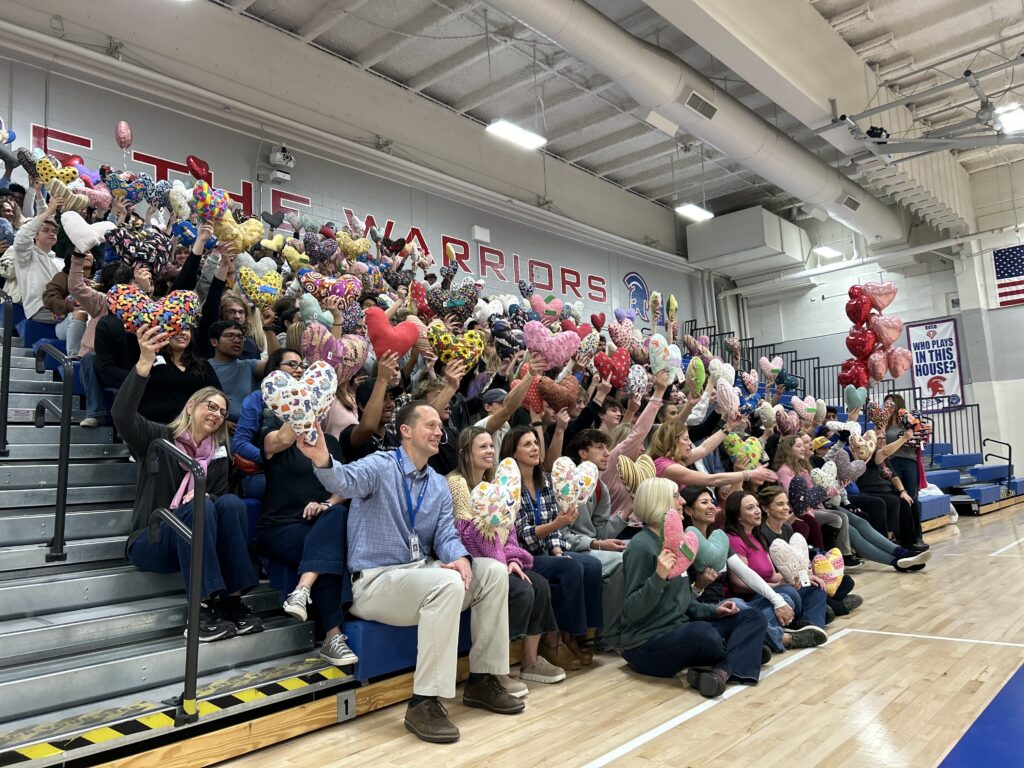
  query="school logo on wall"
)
[{"x": 638, "y": 294}]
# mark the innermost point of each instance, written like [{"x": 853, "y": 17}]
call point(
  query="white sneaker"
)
[
  {"x": 296, "y": 602},
  {"x": 542, "y": 671},
  {"x": 90, "y": 422}
]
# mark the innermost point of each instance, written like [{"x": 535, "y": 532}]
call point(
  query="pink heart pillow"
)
[
  {"x": 805, "y": 409},
  {"x": 556, "y": 348},
  {"x": 346, "y": 355},
  {"x": 550, "y": 309},
  {"x": 621, "y": 334},
  {"x": 728, "y": 398},
  {"x": 770, "y": 368},
  {"x": 749, "y": 381},
  {"x": 682, "y": 543}
]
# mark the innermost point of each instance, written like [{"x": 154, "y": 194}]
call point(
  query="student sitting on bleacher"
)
[
  {"x": 34, "y": 261},
  {"x": 57, "y": 297},
  {"x": 400, "y": 520},
  {"x": 200, "y": 430},
  {"x": 238, "y": 377}
]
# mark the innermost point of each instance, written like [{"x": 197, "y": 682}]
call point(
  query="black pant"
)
[
  {"x": 900, "y": 517},
  {"x": 529, "y": 606}
]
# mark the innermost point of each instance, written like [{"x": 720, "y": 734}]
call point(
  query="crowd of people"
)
[{"x": 431, "y": 485}]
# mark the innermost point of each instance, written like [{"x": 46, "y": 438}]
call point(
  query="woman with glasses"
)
[{"x": 200, "y": 430}]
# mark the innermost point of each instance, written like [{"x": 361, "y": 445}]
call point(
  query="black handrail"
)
[
  {"x": 5, "y": 371},
  {"x": 1008, "y": 458},
  {"x": 57, "y": 543},
  {"x": 187, "y": 710}
]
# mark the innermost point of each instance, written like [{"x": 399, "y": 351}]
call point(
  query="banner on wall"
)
[{"x": 936, "y": 369}]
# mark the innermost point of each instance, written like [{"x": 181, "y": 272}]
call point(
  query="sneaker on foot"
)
[
  {"x": 766, "y": 654},
  {"x": 542, "y": 671},
  {"x": 852, "y": 561},
  {"x": 830, "y": 615},
  {"x": 513, "y": 687},
  {"x": 241, "y": 615},
  {"x": 90, "y": 422},
  {"x": 296, "y": 602},
  {"x": 853, "y": 602},
  {"x": 335, "y": 650},
  {"x": 429, "y": 721},
  {"x": 488, "y": 693},
  {"x": 805, "y": 637},
  {"x": 212, "y": 626},
  {"x": 906, "y": 560},
  {"x": 708, "y": 682}
]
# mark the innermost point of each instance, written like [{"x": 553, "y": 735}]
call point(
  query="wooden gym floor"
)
[{"x": 898, "y": 684}]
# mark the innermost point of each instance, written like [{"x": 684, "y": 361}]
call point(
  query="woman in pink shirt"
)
[{"x": 673, "y": 451}]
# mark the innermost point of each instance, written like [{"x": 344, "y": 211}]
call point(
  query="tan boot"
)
[{"x": 560, "y": 656}]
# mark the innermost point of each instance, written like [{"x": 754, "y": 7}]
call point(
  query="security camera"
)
[{"x": 281, "y": 158}]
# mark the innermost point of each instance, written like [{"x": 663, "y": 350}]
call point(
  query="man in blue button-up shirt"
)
[{"x": 409, "y": 568}]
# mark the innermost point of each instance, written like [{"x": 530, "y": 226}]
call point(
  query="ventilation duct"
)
[{"x": 664, "y": 84}]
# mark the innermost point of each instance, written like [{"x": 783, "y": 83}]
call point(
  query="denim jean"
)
[
  {"x": 71, "y": 331},
  {"x": 576, "y": 590},
  {"x": 95, "y": 401}
]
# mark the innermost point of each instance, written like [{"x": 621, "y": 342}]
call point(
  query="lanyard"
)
[
  {"x": 408, "y": 492},
  {"x": 536, "y": 507}
]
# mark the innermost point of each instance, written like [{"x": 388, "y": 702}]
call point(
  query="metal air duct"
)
[{"x": 664, "y": 84}]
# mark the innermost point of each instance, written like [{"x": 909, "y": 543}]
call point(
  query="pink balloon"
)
[
  {"x": 899, "y": 360},
  {"x": 881, "y": 294},
  {"x": 886, "y": 329},
  {"x": 123, "y": 134},
  {"x": 877, "y": 364}
]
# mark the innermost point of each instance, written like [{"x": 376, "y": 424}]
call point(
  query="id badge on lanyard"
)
[{"x": 415, "y": 551}]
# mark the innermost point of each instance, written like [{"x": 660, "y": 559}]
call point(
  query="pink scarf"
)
[{"x": 203, "y": 453}]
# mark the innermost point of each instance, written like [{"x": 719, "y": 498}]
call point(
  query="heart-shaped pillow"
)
[
  {"x": 683, "y": 544},
  {"x": 864, "y": 446},
  {"x": 829, "y": 569},
  {"x": 261, "y": 291},
  {"x": 771, "y": 368},
  {"x": 303, "y": 402},
  {"x": 573, "y": 485},
  {"x": 728, "y": 398},
  {"x": 458, "y": 302},
  {"x": 273, "y": 244},
  {"x": 467, "y": 347},
  {"x": 665, "y": 356},
  {"x": 493, "y": 506},
  {"x": 613, "y": 369},
  {"x": 311, "y": 312},
  {"x": 750, "y": 381},
  {"x": 853, "y": 427},
  {"x": 597, "y": 320},
  {"x": 854, "y": 397},
  {"x": 345, "y": 355},
  {"x": 712, "y": 552},
  {"x": 766, "y": 413},
  {"x": 548, "y": 309},
  {"x": 47, "y": 171},
  {"x": 171, "y": 314},
  {"x": 556, "y": 348},
  {"x": 745, "y": 454},
  {"x": 696, "y": 377},
  {"x": 804, "y": 498},
  {"x": 584, "y": 354},
  {"x": 632, "y": 473},
  {"x": 638, "y": 382},
  {"x": 385, "y": 337},
  {"x": 82, "y": 235},
  {"x": 210, "y": 204},
  {"x": 880, "y": 415},
  {"x": 791, "y": 559},
  {"x": 559, "y": 394},
  {"x": 721, "y": 371},
  {"x": 69, "y": 200},
  {"x": 624, "y": 314},
  {"x": 621, "y": 334},
  {"x": 264, "y": 266},
  {"x": 825, "y": 477},
  {"x": 533, "y": 402},
  {"x": 806, "y": 408},
  {"x": 787, "y": 422},
  {"x": 848, "y": 470},
  {"x": 134, "y": 246},
  {"x": 418, "y": 297}
]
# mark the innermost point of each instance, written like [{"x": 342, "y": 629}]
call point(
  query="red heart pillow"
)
[
  {"x": 389, "y": 338},
  {"x": 559, "y": 394},
  {"x": 614, "y": 369}
]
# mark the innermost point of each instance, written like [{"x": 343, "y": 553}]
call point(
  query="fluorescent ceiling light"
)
[
  {"x": 694, "y": 212},
  {"x": 1011, "y": 118},
  {"x": 515, "y": 134},
  {"x": 827, "y": 252}
]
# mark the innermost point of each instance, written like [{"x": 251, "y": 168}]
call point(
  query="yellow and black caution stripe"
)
[{"x": 162, "y": 719}]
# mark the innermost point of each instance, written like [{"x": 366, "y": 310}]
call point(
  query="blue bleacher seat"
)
[
  {"x": 49, "y": 363},
  {"x": 1016, "y": 485},
  {"x": 943, "y": 478},
  {"x": 384, "y": 650},
  {"x": 934, "y": 506},
  {"x": 983, "y": 494},
  {"x": 950, "y": 460},
  {"x": 990, "y": 472},
  {"x": 938, "y": 449},
  {"x": 32, "y": 331}
]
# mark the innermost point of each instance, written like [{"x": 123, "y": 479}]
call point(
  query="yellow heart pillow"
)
[
  {"x": 46, "y": 171},
  {"x": 262, "y": 291},
  {"x": 635, "y": 472},
  {"x": 275, "y": 244},
  {"x": 829, "y": 569},
  {"x": 468, "y": 346}
]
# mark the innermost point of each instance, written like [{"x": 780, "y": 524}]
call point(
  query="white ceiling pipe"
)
[{"x": 662, "y": 82}]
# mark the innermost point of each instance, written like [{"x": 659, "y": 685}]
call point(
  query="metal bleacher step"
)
[
  {"x": 34, "y": 476},
  {"x": 100, "y": 675},
  {"x": 28, "y": 556},
  {"x": 27, "y": 415},
  {"x": 47, "y": 497},
  {"x": 37, "y": 638},
  {"x": 18, "y": 361},
  {"x": 20, "y": 435},
  {"x": 19, "y": 374},
  {"x": 78, "y": 452},
  {"x": 20, "y": 527},
  {"x": 47, "y": 387},
  {"x": 46, "y": 592}
]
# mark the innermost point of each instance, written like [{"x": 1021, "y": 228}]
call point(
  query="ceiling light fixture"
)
[
  {"x": 827, "y": 252},
  {"x": 515, "y": 134},
  {"x": 1010, "y": 118},
  {"x": 694, "y": 212}
]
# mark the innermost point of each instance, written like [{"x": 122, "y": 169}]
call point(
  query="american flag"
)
[{"x": 1009, "y": 275}]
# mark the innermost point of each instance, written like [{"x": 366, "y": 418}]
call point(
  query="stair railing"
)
[
  {"x": 5, "y": 371},
  {"x": 1008, "y": 458},
  {"x": 187, "y": 711},
  {"x": 57, "y": 544}
]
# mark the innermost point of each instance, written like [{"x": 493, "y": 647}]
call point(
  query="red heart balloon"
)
[
  {"x": 855, "y": 291},
  {"x": 861, "y": 342},
  {"x": 614, "y": 369},
  {"x": 858, "y": 310},
  {"x": 199, "y": 169},
  {"x": 388, "y": 338},
  {"x": 853, "y": 372},
  {"x": 597, "y": 321}
]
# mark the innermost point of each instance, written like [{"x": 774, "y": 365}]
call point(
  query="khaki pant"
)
[{"x": 431, "y": 598}]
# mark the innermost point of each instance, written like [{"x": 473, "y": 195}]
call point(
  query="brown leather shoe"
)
[
  {"x": 560, "y": 656},
  {"x": 429, "y": 721},
  {"x": 489, "y": 693},
  {"x": 586, "y": 658}
]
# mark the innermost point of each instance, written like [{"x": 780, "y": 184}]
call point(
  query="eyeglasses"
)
[
  {"x": 232, "y": 336},
  {"x": 212, "y": 407},
  {"x": 293, "y": 364}
]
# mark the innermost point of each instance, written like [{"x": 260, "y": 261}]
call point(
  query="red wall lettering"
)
[
  {"x": 515, "y": 268},
  {"x": 415, "y": 236},
  {"x": 570, "y": 281},
  {"x": 278, "y": 196},
  {"x": 461, "y": 249},
  {"x": 162, "y": 165},
  {"x": 369, "y": 222},
  {"x": 533, "y": 267},
  {"x": 42, "y": 136},
  {"x": 244, "y": 198},
  {"x": 494, "y": 260},
  {"x": 597, "y": 290}
]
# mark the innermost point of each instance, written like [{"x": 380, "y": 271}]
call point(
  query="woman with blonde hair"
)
[
  {"x": 673, "y": 452},
  {"x": 200, "y": 430},
  {"x": 664, "y": 628},
  {"x": 233, "y": 306}
]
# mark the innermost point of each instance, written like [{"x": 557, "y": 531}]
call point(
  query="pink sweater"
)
[
  {"x": 632, "y": 446},
  {"x": 475, "y": 543},
  {"x": 92, "y": 301}
]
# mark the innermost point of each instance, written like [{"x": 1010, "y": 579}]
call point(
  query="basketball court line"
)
[
  {"x": 1008, "y": 546},
  {"x": 737, "y": 690}
]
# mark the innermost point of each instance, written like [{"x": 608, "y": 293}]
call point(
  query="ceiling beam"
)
[
  {"x": 597, "y": 86},
  {"x": 326, "y": 16},
  {"x": 605, "y": 142},
  {"x": 432, "y": 17},
  {"x": 468, "y": 55},
  {"x": 635, "y": 158},
  {"x": 519, "y": 79},
  {"x": 241, "y": 5},
  {"x": 694, "y": 189},
  {"x": 570, "y": 129}
]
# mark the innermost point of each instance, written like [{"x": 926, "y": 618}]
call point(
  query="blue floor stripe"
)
[{"x": 994, "y": 738}]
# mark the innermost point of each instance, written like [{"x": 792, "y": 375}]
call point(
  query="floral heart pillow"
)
[
  {"x": 171, "y": 314},
  {"x": 825, "y": 477},
  {"x": 573, "y": 485},
  {"x": 621, "y": 333},
  {"x": 638, "y": 382},
  {"x": 556, "y": 348},
  {"x": 665, "y": 356},
  {"x": 615, "y": 368},
  {"x": 863, "y": 446},
  {"x": 345, "y": 355},
  {"x": 713, "y": 551},
  {"x": 304, "y": 402},
  {"x": 588, "y": 348},
  {"x": 745, "y": 454},
  {"x": 632, "y": 473},
  {"x": 829, "y": 568},
  {"x": 261, "y": 291},
  {"x": 493, "y": 505},
  {"x": 468, "y": 346},
  {"x": 683, "y": 544},
  {"x": 791, "y": 559},
  {"x": 559, "y": 394}
]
